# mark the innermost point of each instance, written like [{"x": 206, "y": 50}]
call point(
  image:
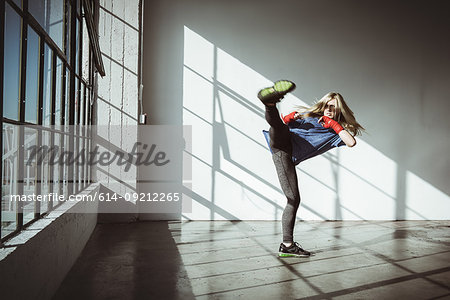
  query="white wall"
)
[
  {"x": 117, "y": 103},
  {"x": 204, "y": 62}
]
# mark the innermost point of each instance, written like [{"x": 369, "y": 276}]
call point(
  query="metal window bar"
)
[
  {"x": 61, "y": 137},
  {"x": 80, "y": 169},
  {"x": 72, "y": 91},
  {"x": 83, "y": 128},
  {"x": 93, "y": 37},
  {"x": 22, "y": 93},
  {"x": 65, "y": 71},
  {"x": 38, "y": 180},
  {"x": 2, "y": 55},
  {"x": 52, "y": 121}
]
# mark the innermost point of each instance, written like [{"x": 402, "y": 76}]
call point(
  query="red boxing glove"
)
[
  {"x": 290, "y": 117},
  {"x": 330, "y": 123}
]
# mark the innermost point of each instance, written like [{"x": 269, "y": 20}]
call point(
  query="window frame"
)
[{"x": 80, "y": 12}]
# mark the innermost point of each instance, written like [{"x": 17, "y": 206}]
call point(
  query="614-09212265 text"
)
[{"x": 142, "y": 197}]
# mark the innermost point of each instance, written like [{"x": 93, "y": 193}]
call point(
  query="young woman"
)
[{"x": 300, "y": 135}]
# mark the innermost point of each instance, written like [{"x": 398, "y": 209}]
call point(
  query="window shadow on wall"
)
[{"x": 224, "y": 121}]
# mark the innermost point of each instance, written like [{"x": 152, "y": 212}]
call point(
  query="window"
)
[
  {"x": 29, "y": 175},
  {"x": 10, "y": 180},
  {"x": 58, "y": 91},
  {"x": 47, "y": 78},
  {"x": 50, "y": 15},
  {"x": 11, "y": 66},
  {"x": 47, "y": 87},
  {"x": 32, "y": 77},
  {"x": 46, "y": 175}
]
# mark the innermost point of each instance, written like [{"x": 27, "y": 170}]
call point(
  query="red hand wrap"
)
[
  {"x": 330, "y": 123},
  {"x": 288, "y": 118}
]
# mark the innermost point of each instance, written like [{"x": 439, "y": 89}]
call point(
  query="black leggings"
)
[{"x": 280, "y": 142}]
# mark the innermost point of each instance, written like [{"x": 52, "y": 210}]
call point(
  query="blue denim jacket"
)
[{"x": 309, "y": 138}]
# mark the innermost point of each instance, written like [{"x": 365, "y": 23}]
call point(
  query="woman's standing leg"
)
[{"x": 280, "y": 142}]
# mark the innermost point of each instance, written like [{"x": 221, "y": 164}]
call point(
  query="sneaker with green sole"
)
[
  {"x": 275, "y": 93},
  {"x": 284, "y": 86},
  {"x": 294, "y": 250}
]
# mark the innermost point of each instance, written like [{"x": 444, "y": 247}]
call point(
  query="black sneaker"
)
[
  {"x": 295, "y": 250},
  {"x": 275, "y": 93}
]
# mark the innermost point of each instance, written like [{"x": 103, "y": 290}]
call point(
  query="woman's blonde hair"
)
[{"x": 344, "y": 115}]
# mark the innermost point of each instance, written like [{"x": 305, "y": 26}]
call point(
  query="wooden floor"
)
[{"x": 238, "y": 260}]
